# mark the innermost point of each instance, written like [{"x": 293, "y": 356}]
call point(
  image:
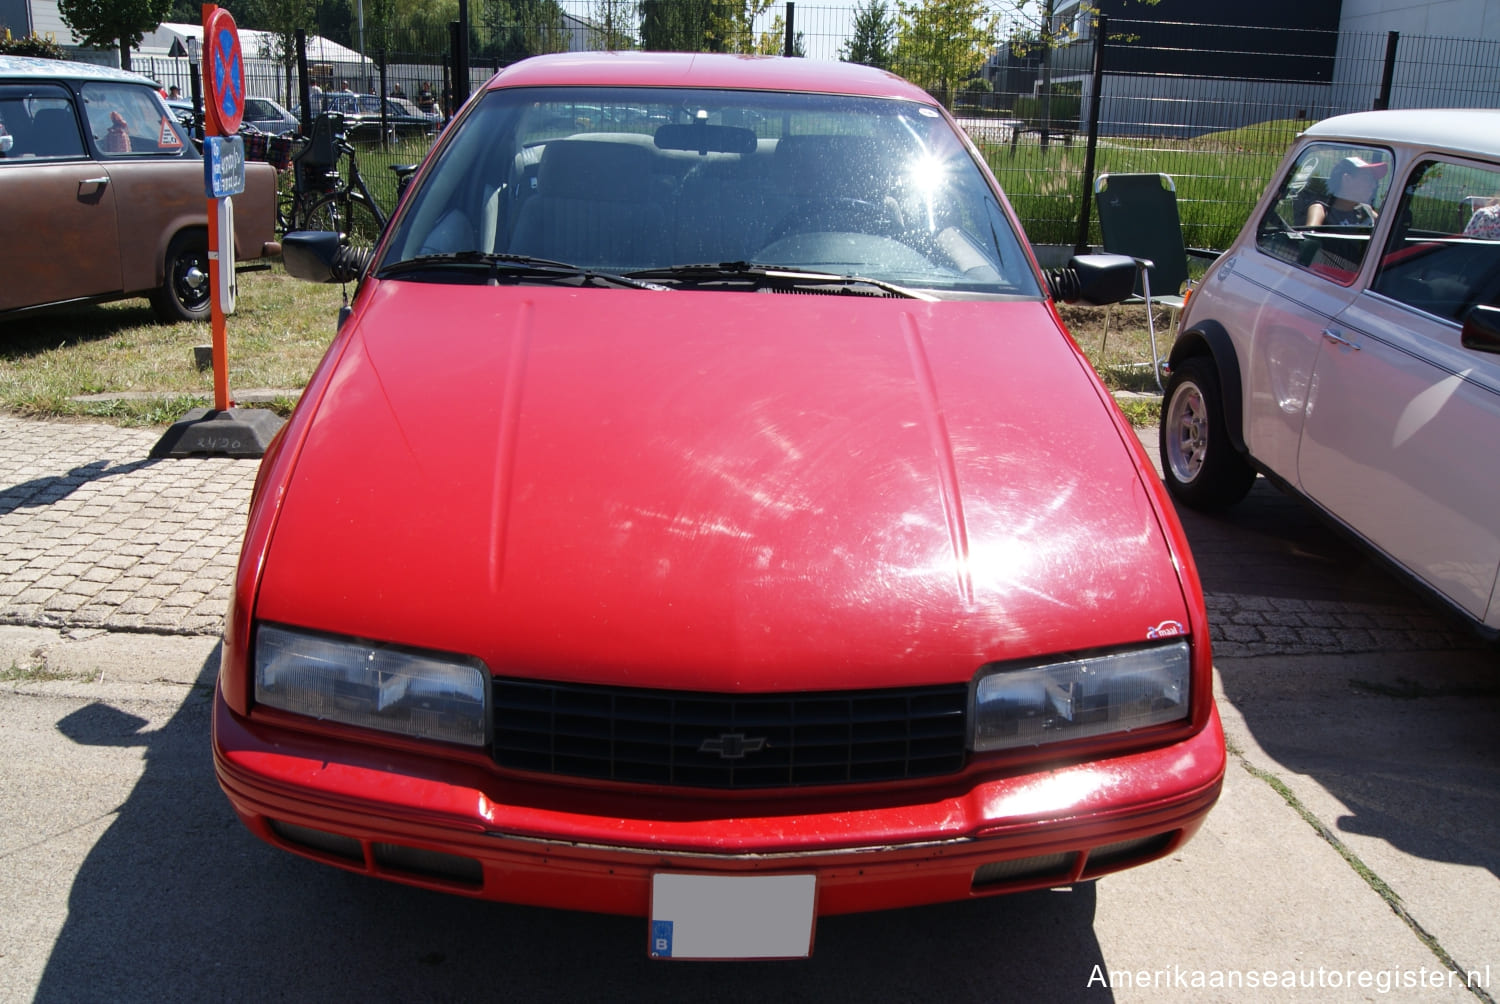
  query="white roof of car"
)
[
  {"x": 53, "y": 69},
  {"x": 1462, "y": 130}
]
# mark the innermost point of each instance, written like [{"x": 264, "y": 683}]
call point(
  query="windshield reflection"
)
[{"x": 623, "y": 180}]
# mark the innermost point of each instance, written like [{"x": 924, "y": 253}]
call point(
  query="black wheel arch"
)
[{"x": 1209, "y": 338}]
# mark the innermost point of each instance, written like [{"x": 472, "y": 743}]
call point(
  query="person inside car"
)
[
  {"x": 1351, "y": 189},
  {"x": 1484, "y": 224},
  {"x": 117, "y": 138}
]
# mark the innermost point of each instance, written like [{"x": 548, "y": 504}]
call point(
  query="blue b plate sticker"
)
[
  {"x": 661, "y": 939},
  {"x": 732, "y": 916}
]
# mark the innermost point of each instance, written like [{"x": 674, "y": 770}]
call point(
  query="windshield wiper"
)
[
  {"x": 492, "y": 265},
  {"x": 746, "y": 273}
]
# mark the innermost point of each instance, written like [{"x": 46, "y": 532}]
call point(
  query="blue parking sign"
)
[{"x": 223, "y": 166}]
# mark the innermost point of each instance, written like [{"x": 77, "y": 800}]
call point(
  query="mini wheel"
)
[{"x": 1201, "y": 467}]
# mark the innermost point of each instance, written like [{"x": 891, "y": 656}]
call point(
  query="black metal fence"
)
[{"x": 1213, "y": 106}]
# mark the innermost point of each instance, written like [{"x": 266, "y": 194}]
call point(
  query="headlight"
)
[
  {"x": 1112, "y": 692},
  {"x": 423, "y": 695}
]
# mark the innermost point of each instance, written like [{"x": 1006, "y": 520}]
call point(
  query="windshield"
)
[{"x": 648, "y": 179}]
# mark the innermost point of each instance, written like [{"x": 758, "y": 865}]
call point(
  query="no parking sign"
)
[
  {"x": 224, "y": 72},
  {"x": 225, "y": 430}
]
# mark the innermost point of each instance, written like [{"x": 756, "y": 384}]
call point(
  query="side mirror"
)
[
  {"x": 1093, "y": 279},
  {"x": 1481, "y": 331},
  {"x": 322, "y": 256},
  {"x": 404, "y": 173}
]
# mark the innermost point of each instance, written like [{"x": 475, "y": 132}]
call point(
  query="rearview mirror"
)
[{"x": 705, "y": 138}]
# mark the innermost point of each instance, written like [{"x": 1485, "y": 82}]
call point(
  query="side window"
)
[
  {"x": 1443, "y": 256},
  {"x": 37, "y": 123},
  {"x": 128, "y": 120},
  {"x": 1326, "y": 209},
  {"x": 11, "y": 109}
]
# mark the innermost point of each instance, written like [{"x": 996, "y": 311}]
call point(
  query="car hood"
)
[{"x": 717, "y": 491}]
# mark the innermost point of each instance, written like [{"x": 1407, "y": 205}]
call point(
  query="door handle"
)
[
  {"x": 93, "y": 181},
  {"x": 1334, "y": 336}
]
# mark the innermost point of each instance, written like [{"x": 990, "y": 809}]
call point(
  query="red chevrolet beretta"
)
[{"x": 702, "y": 514}]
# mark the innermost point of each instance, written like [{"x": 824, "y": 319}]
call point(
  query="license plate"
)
[{"x": 731, "y": 916}]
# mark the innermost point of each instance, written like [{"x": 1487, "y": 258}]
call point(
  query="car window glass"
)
[
  {"x": 635, "y": 179},
  {"x": 127, "y": 120},
  {"x": 1443, "y": 255},
  {"x": 37, "y": 122},
  {"x": 1326, "y": 209}
]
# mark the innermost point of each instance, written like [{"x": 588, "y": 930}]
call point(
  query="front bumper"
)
[{"x": 421, "y": 821}]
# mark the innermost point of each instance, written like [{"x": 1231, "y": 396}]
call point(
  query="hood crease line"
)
[
  {"x": 942, "y": 448},
  {"x": 509, "y": 432}
]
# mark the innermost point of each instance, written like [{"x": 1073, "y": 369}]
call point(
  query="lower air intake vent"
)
[{"x": 729, "y": 740}]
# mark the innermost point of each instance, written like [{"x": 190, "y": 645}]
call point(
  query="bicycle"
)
[{"x": 321, "y": 199}]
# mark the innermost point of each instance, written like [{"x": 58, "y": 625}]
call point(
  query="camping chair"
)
[{"x": 1138, "y": 217}]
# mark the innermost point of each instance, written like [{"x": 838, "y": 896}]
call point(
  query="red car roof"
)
[{"x": 687, "y": 69}]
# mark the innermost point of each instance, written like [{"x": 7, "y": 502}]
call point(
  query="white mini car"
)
[{"x": 1346, "y": 347}]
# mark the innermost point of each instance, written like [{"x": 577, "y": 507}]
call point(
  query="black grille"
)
[{"x": 729, "y": 740}]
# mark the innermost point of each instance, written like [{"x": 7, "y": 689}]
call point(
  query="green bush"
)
[
  {"x": 1065, "y": 111},
  {"x": 30, "y": 45}
]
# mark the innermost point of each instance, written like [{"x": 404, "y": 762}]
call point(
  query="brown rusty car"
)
[{"x": 102, "y": 193}]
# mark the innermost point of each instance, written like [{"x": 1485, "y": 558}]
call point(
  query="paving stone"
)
[{"x": 94, "y": 533}]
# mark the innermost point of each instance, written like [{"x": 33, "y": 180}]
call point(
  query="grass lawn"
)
[
  {"x": 1218, "y": 176},
  {"x": 276, "y": 336}
]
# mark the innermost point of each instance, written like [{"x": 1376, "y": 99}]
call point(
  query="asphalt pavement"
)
[{"x": 1353, "y": 855}]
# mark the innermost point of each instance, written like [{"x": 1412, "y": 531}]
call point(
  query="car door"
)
[
  {"x": 1288, "y": 291},
  {"x": 1402, "y": 417},
  {"x": 57, "y": 202},
  {"x": 156, "y": 177}
]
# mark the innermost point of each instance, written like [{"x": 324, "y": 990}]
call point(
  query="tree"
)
[
  {"x": 873, "y": 36},
  {"x": 520, "y": 28},
  {"x": 335, "y": 21},
  {"x": 191, "y": 12},
  {"x": 107, "y": 24},
  {"x": 942, "y": 42},
  {"x": 425, "y": 19},
  {"x": 612, "y": 25},
  {"x": 773, "y": 40},
  {"x": 282, "y": 18},
  {"x": 700, "y": 25}
]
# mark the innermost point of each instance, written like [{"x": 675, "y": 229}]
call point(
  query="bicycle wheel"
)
[
  {"x": 286, "y": 216},
  {"x": 348, "y": 214}
]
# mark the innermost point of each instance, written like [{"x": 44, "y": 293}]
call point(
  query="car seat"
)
[
  {"x": 54, "y": 133},
  {"x": 593, "y": 206}
]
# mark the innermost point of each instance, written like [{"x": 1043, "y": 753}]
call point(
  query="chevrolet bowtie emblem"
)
[{"x": 733, "y": 745}]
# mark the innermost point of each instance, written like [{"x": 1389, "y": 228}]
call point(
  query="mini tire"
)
[
  {"x": 185, "y": 293},
  {"x": 1200, "y": 465}
]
